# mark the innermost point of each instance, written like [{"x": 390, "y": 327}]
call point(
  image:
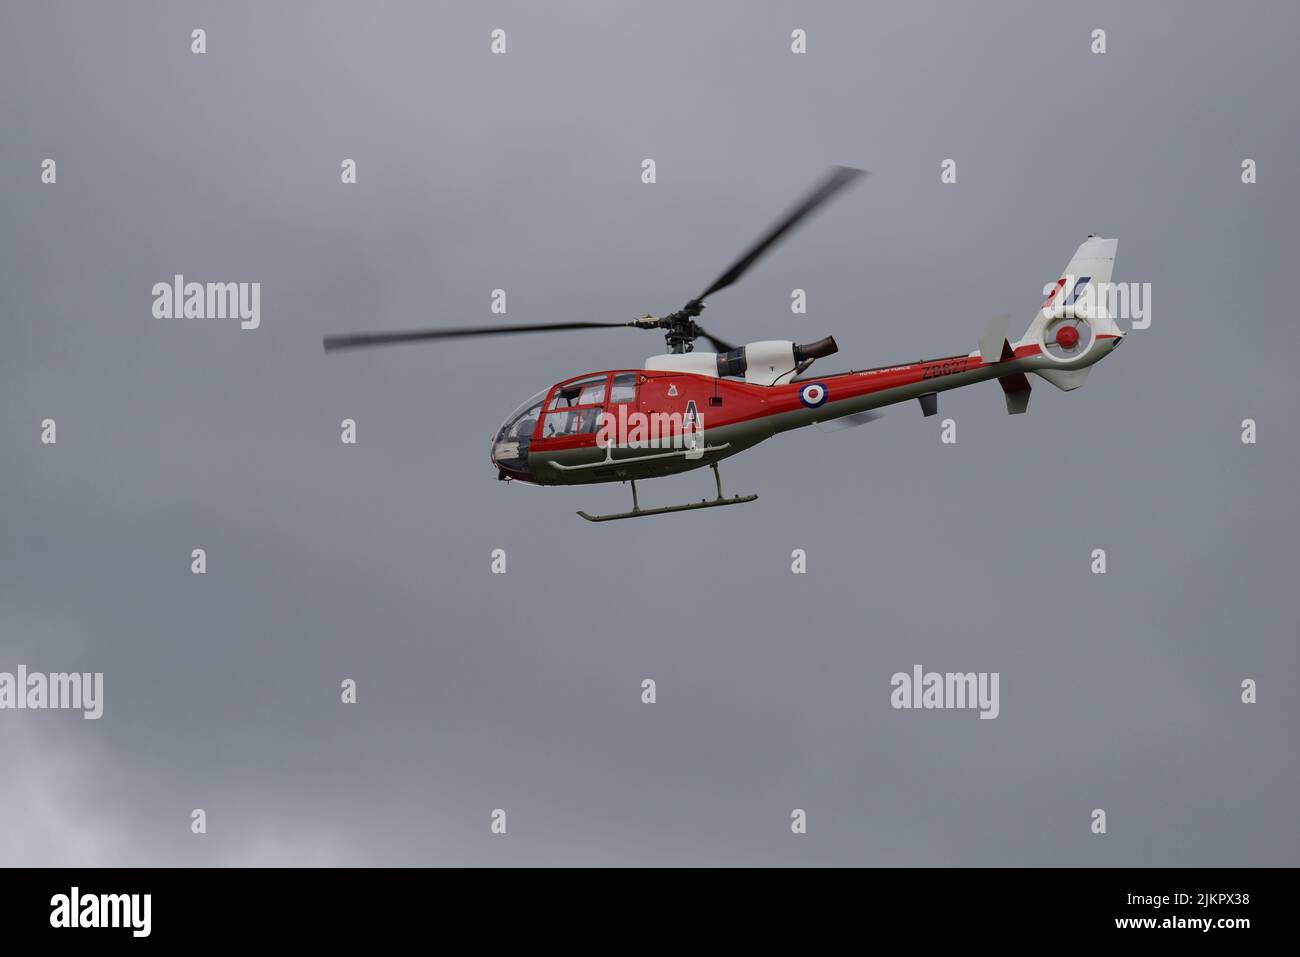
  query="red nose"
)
[{"x": 1067, "y": 337}]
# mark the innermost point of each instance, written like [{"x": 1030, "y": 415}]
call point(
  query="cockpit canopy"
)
[
  {"x": 510, "y": 447},
  {"x": 574, "y": 409}
]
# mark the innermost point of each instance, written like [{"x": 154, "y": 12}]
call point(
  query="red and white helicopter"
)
[{"x": 687, "y": 409}]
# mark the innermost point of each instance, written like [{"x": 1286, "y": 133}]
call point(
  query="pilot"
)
[{"x": 566, "y": 428}]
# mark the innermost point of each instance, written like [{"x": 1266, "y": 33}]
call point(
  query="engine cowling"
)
[{"x": 769, "y": 361}]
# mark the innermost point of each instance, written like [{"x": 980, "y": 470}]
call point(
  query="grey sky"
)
[{"x": 522, "y": 691}]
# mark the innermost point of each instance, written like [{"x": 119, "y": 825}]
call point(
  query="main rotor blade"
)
[
  {"x": 832, "y": 183},
  {"x": 419, "y": 335},
  {"x": 719, "y": 345},
  {"x": 848, "y": 421}
]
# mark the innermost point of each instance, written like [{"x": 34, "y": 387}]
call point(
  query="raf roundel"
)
[{"x": 813, "y": 394}]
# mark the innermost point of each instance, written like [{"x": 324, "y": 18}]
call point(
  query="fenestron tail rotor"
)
[
  {"x": 1067, "y": 338},
  {"x": 680, "y": 328}
]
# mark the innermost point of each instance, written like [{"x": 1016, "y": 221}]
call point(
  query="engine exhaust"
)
[{"x": 816, "y": 350}]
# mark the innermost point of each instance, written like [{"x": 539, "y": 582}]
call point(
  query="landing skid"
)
[{"x": 638, "y": 512}]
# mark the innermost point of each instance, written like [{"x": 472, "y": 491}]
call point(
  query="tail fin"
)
[
  {"x": 994, "y": 347},
  {"x": 1078, "y": 299}
]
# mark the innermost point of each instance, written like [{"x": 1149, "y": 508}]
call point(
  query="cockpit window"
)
[
  {"x": 589, "y": 391},
  {"x": 571, "y": 422},
  {"x": 575, "y": 407},
  {"x": 564, "y": 422},
  {"x": 624, "y": 389}
]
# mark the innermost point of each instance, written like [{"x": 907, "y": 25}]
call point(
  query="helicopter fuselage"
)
[{"x": 634, "y": 424}]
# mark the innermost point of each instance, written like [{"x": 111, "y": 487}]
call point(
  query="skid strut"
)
[{"x": 638, "y": 511}]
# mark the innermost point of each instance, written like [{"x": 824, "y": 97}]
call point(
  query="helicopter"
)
[{"x": 684, "y": 409}]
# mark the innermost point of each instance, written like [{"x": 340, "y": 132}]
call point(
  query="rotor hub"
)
[
  {"x": 1067, "y": 337},
  {"x": 680, "y": 328}
]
